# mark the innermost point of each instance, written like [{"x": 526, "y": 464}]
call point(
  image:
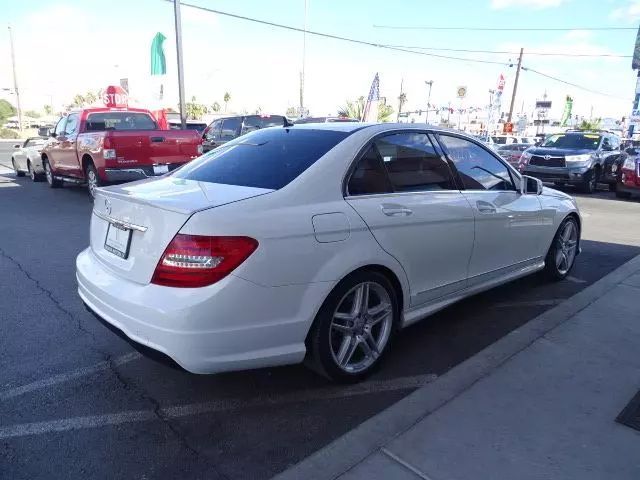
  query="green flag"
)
[{"x": 158, "y": 62}]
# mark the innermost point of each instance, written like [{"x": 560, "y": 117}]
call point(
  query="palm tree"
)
[
  {"x": 355, "y": 110},
  {"x": 215, "y": 107},
  {"x": 590, "y": 124},
  {"x": 47, "y": 110},
  {"x": 226, "y": 99},
  {"x": 402, "y": 99}
]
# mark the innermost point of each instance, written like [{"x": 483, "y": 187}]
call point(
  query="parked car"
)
[
  {"x": 498, "y": 140},
  {"x": 324, "y": 120},
  {"x": 98, "y": 146},
  {"x": 574, "y": 157},
  {"x": 26, "y": 159},
  {"x": 612, "y": 167},
  {"x": 512, "y": 153},
  {"x": 196, "y": 125},
  {"x": 225, "y": 129},
  {"x": 628, "y": 176},
  {"x": 316, "y": 241}
]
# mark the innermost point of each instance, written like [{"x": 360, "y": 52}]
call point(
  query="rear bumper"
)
[
  {"x": 557, "y": 174},
  {"x": 118, "y": 175},
  {"x": 633, "y": 190},
  {"x": 231, "y": 325}
]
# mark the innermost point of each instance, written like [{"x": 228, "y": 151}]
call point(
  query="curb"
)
[{"x": 353, "y": 447}]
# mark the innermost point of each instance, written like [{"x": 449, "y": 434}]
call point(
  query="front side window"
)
[
  {"x": 72, "y": 124},
  {"x": 478, "y": 169},
  {"x": 230, "y": 127},
  {"x": 263, "y": 159},
  {"x": 60, "y": 126},
  {"x": 214, "y": 131},
  {"x": 101, "y": 121}
]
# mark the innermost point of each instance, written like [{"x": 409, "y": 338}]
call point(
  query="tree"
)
[
  {"x": 226, "y": 99},
  {"x": 215, "y": 107},
  {"x": 195, "y": 110},
  {"x": 6, "y": 110},
  {"x": 32, "y": 114},
  {"x": 402, "y": 99},
  {"x": 47, "y": 110},
  {"x": 593, "y": 124},
  {"x": 291, "y": 112},
  {"x": 355, "y": 110}
]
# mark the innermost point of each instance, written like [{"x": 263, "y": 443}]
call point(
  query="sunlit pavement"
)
[{"x": 79, "y": 401}]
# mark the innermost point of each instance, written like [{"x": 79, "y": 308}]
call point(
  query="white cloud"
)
[
  {"x": 629, "y": 13},
  {"x": 537, "y": 4},
  {"x": 578, "y": 35}
]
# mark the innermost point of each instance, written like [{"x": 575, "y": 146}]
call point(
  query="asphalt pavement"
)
[{"x": 79, "y": 401}]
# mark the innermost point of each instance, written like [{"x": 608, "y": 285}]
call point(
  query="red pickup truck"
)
[
  {"x": 98, "y": 146},
  {"x": 629, "y": 175}
]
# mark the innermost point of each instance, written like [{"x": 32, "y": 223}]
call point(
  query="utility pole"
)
[
  {"x": 400, "y": 101},
  {"x": 430, "y": 83},
  {"x": 304, "y": 60},
  {"x": 515, "y": 86},
  {"x": 15, "y": 78},
  {"x": 183, "y": 108}
]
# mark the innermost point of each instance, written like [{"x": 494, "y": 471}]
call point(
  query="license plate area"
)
[
  {"x": 160, "y": 169},
  {"x": 118, "y": 240}
]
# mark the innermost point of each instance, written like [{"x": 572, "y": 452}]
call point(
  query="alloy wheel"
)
[
  {"x": 361, "y": 326},
  {"x": 566, "y": 247},
  {"x": 48, "y": 173}
]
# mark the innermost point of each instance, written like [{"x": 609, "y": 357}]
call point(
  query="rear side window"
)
[
  {"x": 478, "y": 169},
  {"x": 369, "y": 177},
  {"x": 230, "y": 128},
  {"x": 100, "y": 121},
  {"x": 263, "y": 159},
  {"x": 256, "y": 122}
]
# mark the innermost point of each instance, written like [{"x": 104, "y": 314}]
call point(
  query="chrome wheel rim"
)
[
  {"x": 360, "y": 327},
  {"x": 47, "y": 171},
  {"x": 566, "y": 247},
  {"x": 32, "y": 173},
  {"x": 92, "y": 182}
]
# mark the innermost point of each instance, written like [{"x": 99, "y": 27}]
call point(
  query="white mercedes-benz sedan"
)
[{"x": 316, "y": 242}]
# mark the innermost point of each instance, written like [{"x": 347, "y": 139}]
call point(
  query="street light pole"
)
[
  {"x": 178, "y": 22},
  {"x": 15, "y": 78},
  {"x": 430, "y": 83}
]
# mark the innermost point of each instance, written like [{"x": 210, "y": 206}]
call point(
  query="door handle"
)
[
  {"x": 485, "y": 207},
  {"x": 392, "y": 210}
]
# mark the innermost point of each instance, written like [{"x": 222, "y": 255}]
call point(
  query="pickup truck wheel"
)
[
  {"x": 53, "y": 182},
  {"x": 15, "y": 168},
  {"x": 93, "y": 180}
]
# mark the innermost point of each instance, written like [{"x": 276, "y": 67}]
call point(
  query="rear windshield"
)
[
  {"x": 97, "y": 122},
  {"x": 256, "y": 122},
  {"x": 577, "y": 141},
  {"x": 264, "y": 159}
]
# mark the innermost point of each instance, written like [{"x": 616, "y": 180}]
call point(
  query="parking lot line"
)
[
  {"x": 180, "y": 411},
  {"x": 65, "y": 377}
]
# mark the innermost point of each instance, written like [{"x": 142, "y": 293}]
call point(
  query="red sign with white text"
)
[{"x": 115, "y": 97}]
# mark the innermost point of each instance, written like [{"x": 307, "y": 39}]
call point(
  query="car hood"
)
[{"x": 558, "y": 152}]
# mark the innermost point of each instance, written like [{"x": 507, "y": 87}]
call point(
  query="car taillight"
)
[{"x": 192, "y": 261}]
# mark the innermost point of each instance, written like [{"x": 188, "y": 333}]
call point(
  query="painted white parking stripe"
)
[
  {"x": 65, "y": 377},
  {"x": 180, "y": 411},
  {"x": 531, "y": 303}
]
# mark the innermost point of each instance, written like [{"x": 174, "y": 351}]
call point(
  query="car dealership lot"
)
[{"x": 79, "y": 401}]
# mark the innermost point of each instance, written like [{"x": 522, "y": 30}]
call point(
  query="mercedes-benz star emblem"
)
[
  {"x": 547, "y": 157},
  {"x": 107, "y": 206}
]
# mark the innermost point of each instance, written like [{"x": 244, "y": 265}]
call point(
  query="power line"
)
[
  {"x": 551, "y": 77},
  {"x": 503, "y": 29},
  {"x": 336, "y": 37},
  {"x": 506, "y": 52}
]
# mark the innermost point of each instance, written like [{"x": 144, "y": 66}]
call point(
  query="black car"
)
[
  {"x": 581, "y": 158},
  {"x": 196, "y": 125},
  {"x": 225, "y": 129}
]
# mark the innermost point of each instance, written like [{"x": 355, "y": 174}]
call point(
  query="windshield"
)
[
  {"x": 100, "y": 121},
  {"x": 575, "y": 141},
  {"x": 263, "y": 159}
]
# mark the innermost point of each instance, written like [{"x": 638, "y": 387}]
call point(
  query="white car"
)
[
  {"x": 316, "y": 241},
  {"x": 26, "y": 158}
]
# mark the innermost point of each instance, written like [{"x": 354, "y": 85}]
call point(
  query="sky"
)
[{"x": 64, "y": 47}]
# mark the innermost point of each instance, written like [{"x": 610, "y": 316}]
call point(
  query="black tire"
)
[
  {"x": 93, "y": 179},
  {"x": 35, "y": 177},
  {"x": 551, "y": 267},
  {"x": 48, "y": 172},
  {"x": 620, "y": 194},
  {"x": 322, "y": 337},
  {"x": 19, "y": 173},
  {"x": 590, "y": 181}
]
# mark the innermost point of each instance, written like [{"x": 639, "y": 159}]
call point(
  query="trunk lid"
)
[
  {"x": 153, "y": 147},
  {"x": 152, "y": 212}
]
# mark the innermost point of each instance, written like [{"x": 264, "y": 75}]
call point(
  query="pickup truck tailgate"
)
[{"x": 151, "y": 147}]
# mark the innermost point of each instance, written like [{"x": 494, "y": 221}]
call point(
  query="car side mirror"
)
[
  {"x": 530, "y": 186},
  {"x": 17, "y": 145}
]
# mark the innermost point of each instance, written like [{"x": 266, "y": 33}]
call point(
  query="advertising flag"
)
[
  {"x": 158, "y": 61},
  {"x": 370, "y": 113}
]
